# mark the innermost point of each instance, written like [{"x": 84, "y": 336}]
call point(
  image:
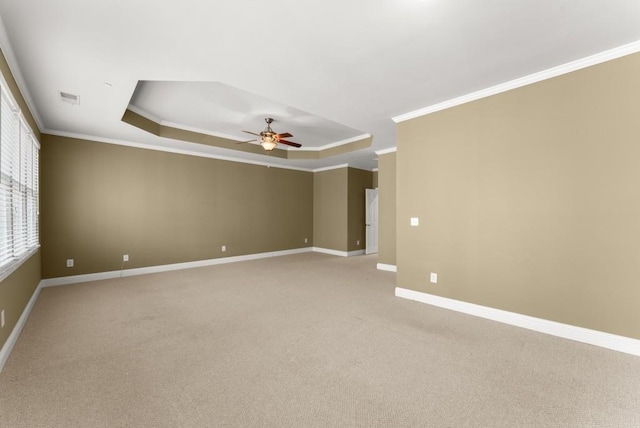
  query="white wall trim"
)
[
  {"x": 388, "y": 268},
  {"x": 17, "y": 329},
  {"x": 566, "y": 331},
  {"x": 569, "y": 67},
  {"x": 356, "y": 253},
  {"x": 52, "y": 282},
  {"x": 386, "y": 151},
  {"x": 336, "y": 144},
  {"x": 329, "y": 168},
  {"x": 338, "y": 253}
]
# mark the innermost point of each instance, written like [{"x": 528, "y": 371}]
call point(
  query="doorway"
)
[{"x": 371, "y": 221}]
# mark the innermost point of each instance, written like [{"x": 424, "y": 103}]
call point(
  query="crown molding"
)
[
  {"x": 569, "y": 67},
  {"x": 162, "y": 122},
  {"x": 329, "y": 168},
  {"x": 336, "y": 144},
  {"x": 386, "y": 151}
]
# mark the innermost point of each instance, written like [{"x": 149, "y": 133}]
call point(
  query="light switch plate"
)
[{"x": 415, "y": 221}]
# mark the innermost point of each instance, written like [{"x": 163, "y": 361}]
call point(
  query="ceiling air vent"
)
[{"x": 66, "y": 97}]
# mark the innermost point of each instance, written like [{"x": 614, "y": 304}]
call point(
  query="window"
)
[{"x": 19, "y": 150}]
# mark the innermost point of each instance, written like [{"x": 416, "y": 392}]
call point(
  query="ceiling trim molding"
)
[
  {"x": 10, "y": 57},
  {"x": 169, "y": 149},
  {"x": 144, "y": 123},
  {"x": 329, "y": 168},
  {"x": 385, "y": 151},
  {"x": 336, "y": 144},
  {"x": 144, "y": 114},
  {"x": 148, "y": 125},
  {"x": 569, "y": 67},
  {"x": 161, "y": 122}
]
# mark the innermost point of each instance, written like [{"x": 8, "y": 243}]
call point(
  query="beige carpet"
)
[{"x": 300, "y": 341}]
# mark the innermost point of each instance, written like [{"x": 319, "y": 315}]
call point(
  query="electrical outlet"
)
[
  {"x": 434, "y": 278},
  {"x": 69, "y": 262},
  {"x": 224, "y": 248},
  {"x": 125, "y": 258},
  {"x": 306, "y": 240},
  {"x": 2, "y": 318},
  {"x": 358, "y": 242}
]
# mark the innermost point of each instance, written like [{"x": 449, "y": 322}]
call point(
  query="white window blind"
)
[{"x": 19, "y": 150}]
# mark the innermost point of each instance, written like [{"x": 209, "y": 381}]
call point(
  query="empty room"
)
[{"x": 414, "y": 213}]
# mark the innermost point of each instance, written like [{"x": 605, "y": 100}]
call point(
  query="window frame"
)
[{"x": 19, "y": 187}]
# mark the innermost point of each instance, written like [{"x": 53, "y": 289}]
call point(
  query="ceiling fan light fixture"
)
[{"x": 268, "y": 144}]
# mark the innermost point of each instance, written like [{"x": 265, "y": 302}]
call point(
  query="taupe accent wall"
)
[
  {"x": 529, "y": 200},
  {"x": 387, "y": 209},
  {"x": 16, "y": 290},
  {"x": 339, "y": 208},
  {"x": 330, "y": 209},
  {"x": 100, "y": 201},
  {"x": 359, "y": 181}
]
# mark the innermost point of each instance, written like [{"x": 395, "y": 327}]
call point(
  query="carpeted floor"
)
[{"x": 296, "y": 341}]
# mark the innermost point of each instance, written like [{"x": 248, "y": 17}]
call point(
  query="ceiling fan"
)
[{"x": 269, "y": 139}]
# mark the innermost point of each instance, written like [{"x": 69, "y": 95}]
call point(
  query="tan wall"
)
[
  {"x": 359, "y": 180},
  {"x": 375, "y": 179},
  {"x": 330, "y": 209},
  {"x": 17, "y": 288},
  {"x": 100, "y": 201},
  {"x": 528, "y": 200},
  {"x": 387, "y": 209},
  {"x": 16, "y": 291}
]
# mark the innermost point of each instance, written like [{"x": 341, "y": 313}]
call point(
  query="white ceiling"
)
[
  {"x": 350, "y": 64},
  {"x": 221, "y": 110}
]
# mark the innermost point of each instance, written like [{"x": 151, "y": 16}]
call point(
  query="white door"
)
[{"x": 371, "y": 200}]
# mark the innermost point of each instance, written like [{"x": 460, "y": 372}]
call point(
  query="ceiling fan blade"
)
[
  {"x": 244, "y": 142},
  {"x": 290, "y": 143},
  {"x": 285, "y": 135},
  {"x": 252, "y": 133}
]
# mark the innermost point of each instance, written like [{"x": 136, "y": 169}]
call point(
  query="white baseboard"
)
[
  {"x": 338, "y": 253},
  {"x": 75, "y": 279},
  {"x": 388, "y": 268},
  {"x": 17, "y": 329},
  {"x": 566, "y": 331}
]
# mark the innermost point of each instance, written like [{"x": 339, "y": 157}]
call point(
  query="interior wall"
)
[
  {"x": 528, "y": 200},
  {"x": 375, "y": 179},
  {"x": 387, "y": 209},
  {"x": 330, "y": 209},
  {"x": 16, "y": 290},
  {"x": 101, "y": 201},
  {"x": 358, "y": 181}
]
